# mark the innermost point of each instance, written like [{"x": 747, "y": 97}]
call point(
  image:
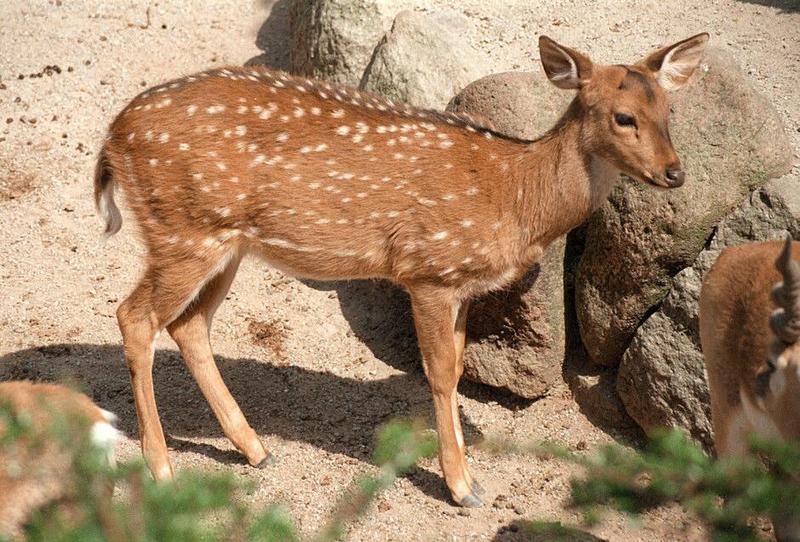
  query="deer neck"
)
[{"x": 561, "y": 181}]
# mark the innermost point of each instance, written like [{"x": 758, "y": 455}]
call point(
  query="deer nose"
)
[{"x": 675, "y": 176}]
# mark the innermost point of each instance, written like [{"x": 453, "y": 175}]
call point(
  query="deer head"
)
[{"x": 625, "y": 107}]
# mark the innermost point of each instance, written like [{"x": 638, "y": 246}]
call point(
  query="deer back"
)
[{"x": 323, "y": 181}]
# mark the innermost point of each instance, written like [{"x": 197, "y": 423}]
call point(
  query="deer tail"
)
[{"x": 104, "y": 195}]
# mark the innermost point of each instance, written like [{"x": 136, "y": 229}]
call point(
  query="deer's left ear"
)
[{"x": 673, "y": 66}]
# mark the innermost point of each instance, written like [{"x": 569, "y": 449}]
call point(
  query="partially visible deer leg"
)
[
  {"x": 435, "y": 316},
  {"x": 191, "y": 333},
  {"x": 139, "y": 330},
  {"x": 163, "y": 294},
  {"x": 460, "y": 337}
]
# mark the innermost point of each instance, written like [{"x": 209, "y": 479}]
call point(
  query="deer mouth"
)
[{"x": 660, "y": 181}]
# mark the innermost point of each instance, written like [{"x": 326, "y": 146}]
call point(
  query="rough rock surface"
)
[
  {"x": 423, "y": 62},
  {"x": 661, "y": 378},
  {"x": 335, "y": 39},
  {"x": 731, "y": 141},
  {"x": 516, "y": 337}
]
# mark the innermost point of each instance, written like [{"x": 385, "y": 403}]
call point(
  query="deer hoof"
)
[
  {"x": 266, "y": 462},
  {"x": 477, "y": 489},
  {"x": 471, "y": 501}
]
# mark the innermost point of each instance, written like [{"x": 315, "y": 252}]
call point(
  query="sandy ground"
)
[{"x": 310, "y": 364}]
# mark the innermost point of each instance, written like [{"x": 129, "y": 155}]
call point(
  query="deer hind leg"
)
[
  {"x": 190, "y": 331},
  {"x": 436, "y": 316},
  {"x": 168, "y": 287}
]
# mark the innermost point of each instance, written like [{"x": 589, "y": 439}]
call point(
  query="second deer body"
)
[
  {"x": 750, "y": 333},
  {"x": 329, "y": 183}
]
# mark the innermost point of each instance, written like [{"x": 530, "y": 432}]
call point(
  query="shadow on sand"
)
[
  {"x": 783, "y": 6},
  {"x": 542, "y": 531},
  {"x": 337, "y": 414},
  {"x": 273, "y": 37}
]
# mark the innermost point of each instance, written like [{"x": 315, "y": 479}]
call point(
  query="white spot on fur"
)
[
  {"x": 438, "y": 236},
  {"x": 467, "y": 223}
]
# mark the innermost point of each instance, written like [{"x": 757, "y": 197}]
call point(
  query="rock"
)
[
  {"x": 731, "y": 141},
  {"x": 599, "y": 401},
  {"x": 335, "y": 39},
  {"x": 516, "y": 337},
  {"x": 661, "y": 378},
  {"x": 421, "y": 62},
  {"x": 521, "y": 104}
]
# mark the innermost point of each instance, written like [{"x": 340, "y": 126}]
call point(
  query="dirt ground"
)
[{"x": 310, "y": 363}]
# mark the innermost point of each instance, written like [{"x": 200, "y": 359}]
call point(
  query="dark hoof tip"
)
[
  {"x": 477, "y": 489},
  {"x": 266, "y": 462},
  {"x": 471, "y": 501}
]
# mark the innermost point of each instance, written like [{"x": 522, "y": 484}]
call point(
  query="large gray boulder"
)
[
  {"x": 335, "y": 39},
  {"x": 422, "y": 61},
  {"x": 731, "y": 141},
  {"x": 661, "y": 378},
  {"x": 516, "y": 337}
]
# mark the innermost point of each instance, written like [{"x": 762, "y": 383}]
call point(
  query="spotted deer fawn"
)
[
  {"x": 326, "y": 182},
  {"x": 34, "y": 469},
  {"x": 752, "y": 353}
]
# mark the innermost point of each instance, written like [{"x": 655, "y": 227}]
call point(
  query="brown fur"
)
[
  {"x": 744, "y": 360},
  {"x": 35, "y": 471},
  {"x": 331, "y": 183},
  {"x": 735, "y": 307}
]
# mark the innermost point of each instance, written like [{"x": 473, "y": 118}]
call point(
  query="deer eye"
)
[{"x": 624, "y": 120}]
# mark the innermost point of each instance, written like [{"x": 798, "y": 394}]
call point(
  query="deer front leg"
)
[
  {"x": 436, "y": 312},
  {"x": 460, "y": 337}
]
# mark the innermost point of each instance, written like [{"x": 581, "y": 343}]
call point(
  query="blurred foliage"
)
[
  {"x": 208, "y": 507},
  {"x": 194, "y": 507},
  {"x": 725, "y": 494}
]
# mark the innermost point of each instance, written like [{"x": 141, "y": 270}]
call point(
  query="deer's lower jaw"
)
[{"x": 659, "y": 182}]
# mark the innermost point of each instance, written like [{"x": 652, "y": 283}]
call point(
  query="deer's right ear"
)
[{"x": 565, "y": 67}]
